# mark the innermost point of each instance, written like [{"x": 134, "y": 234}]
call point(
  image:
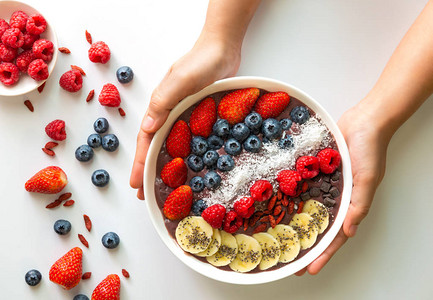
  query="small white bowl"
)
[
  {"x": 205, "y": 268},
  {"x": 26, "y": 84}
]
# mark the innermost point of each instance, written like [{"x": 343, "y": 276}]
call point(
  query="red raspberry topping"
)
[
  {"x": 9, "y": 73},
  {"x": 109, "y": 96},
  {"x": 43, "y": 49},
  {"x": 56, "y": 130},
  {"x": 99, "y": 53},
  {"x": 214, "y": 215},
  {"x": 308, "y": 166},
  {"x": 232, "y": 222},
  {"x": 29, "y": 39},
  {"x": 289, "y": 182},
  {"x": 261, "y": 190},
  {"x": 38, "y": 70},
  {"x": 244, "y": 207},
  {"x": 36, "y": 24},
  {"x": 3, "y": 26},
  {"x": 329, "y": 160},
  {"x": 13, "y": 37},
  {"x": 71, "y": 81},
  {"x": 7, "y": 54},
  {"x": 19, "y": 20},
  {"x": 24, "y": 59}
]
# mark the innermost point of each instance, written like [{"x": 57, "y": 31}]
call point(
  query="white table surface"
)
[{"x": 333, "y": 50}]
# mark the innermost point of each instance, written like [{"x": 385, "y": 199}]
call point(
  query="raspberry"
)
[
  {"x": 232, "y": 222},
  {"x": 244, "y": 207},
  {"x": 71, "y": 81},
  {"x": 289, "y": 182},
  {"x": 43, "y": 49},
  {"x": 56, "y": 130},
  {"x": 7, "y": 54},
  {"x": 9, "y": 73},
  {"x": 99, "y": 53},
  {"x": 36, "y": 24},
  {"x": 109, "y": 96},
  {"x": 29, "y": 39},
  {"x": 261, "y": 190},
  {"x": 329, "y": 160},
  {"x": 13, "y": 37},
  {"x": 308, "y": 166},
  {"x": 214, "y": 215},
  {"x": 3, "y": 26},
  {"x": 24, "y": 59},
  {"x": 38, "y": 70},
  {"x": 19, "y": 20}
]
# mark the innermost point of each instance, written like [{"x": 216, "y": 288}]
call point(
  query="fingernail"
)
[
  {"x": 352, "y": 230},
  {"x": 148, "y": 123}
]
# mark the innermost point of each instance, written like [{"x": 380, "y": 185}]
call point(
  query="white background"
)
[{"x": 333, "y": 50}]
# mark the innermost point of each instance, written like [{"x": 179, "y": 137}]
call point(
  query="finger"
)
[
  {"x": 140, "y": 194},
  {"x": 301, "y": 272},
  {"x": 143, "y": 143}
]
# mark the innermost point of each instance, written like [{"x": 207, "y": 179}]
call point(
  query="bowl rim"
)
[{"x": 156, "y": 215}]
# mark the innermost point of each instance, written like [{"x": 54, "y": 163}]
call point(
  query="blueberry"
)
[
  {"x": 271, "y": 129},
  {"x": 110, "y": 142},
  {"x": 94, "y": 140},
  {"x": 233, "y": 147},
  {"x": 195, "y": 163},
  {"x": 101, "y": 125},
  {"x": 81, "y": 297},
  {"x": 254, "y": 121},
  {"x": 110, "y": 240},
  {"x": 124, "y": 74},
  {"x": 215, "y": 142},
  {"x": 286, "y": 124},
  {"x": 240, "y": 132},
  {"x": 221, "y": 128},
  {"x": 225, "y": 163},
  {"x": 300, "y": 114},
  {"x": 62, "y": 227},
  {"x": 210, "y": 158},
  {"x": 100, "y": 178},
  {"x": 286, "y": 143},
  {"x": 212, "y": 180},
  {"x": 198, "y": 145},
  {"x": 198, "y": 207},
  {"x": 84, "y": 153},
  {"x": 33, "y": 277},
  {"x": 253, "y": 144},
  {"x": 197, "y": 184}
]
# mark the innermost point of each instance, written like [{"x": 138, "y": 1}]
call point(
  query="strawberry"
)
[
  {"x": 178, "y": 143},
  {"x": 214, "y": 215},
  {"x": 271, "y": 105},
  {"x": 174, "y": 173},
  {"x": 107, "y": 289},
  {"x": 178, "y": 204},
  {"x": 289, "y": 182},
  {"x": 50, "y": 180},
  {"x": 235, "y": 106},
  {"x": 203, "y": 117},
  {"x": 66, "y": 271}
]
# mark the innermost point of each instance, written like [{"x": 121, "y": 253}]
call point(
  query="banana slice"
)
[
  {"x": 319, "y": 212},
  {"x": 194, "y": 234},
  {"x": 214, "y": 244},
  {"x": 307, "y": 229},
  {"x": 270, "y": 250},
  {"x": 249, "y": 254},
  {"x": 288, "y": 240},
  {"x": 226, "y": 252}
]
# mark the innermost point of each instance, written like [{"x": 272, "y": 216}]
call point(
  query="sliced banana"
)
[
  {"x": 214, "y": 244},
  {"x": 307, "y": 229},
  {"x": 270, "y": 250},
  {"x": 319, "y": 212},
  {"x": 288, "y": 240},
  {"x": 249, "y": 254},
  {"x": 226, "y": 252},
  {"x": 194, "y": 234}
]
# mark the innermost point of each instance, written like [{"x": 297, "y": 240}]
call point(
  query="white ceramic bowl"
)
[
  {"x": 205, "y": 268},
  {"x": 26, "y": 84}
]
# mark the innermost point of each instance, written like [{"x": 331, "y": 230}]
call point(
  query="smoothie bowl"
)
[{"x": 248, "y": 181}]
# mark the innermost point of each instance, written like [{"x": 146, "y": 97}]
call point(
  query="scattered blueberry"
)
[
  {"x": 197, "y": 184},
  {"x": 84, "y": 153},
  {"x": 210, "y": 158},
  {"x": 101, "y": 125},
  {"x": 198, "y": 145},
  {"x": 81, "y": 297},
  {"x": 233, "y": 147},
  {"x": 300, "y": 114},
  {"x": 110, "y": 240},
  {"x": 100, "y": 178},
  {"x": 124, "y": 74},
  {"x": 253, "y": 144},
  {"x": 195, "y": 163},
  {"x": 286, "y": 143},
  {"x": 271, "y": 129},
  {"x": 110, "y": 142},
  {"x": 62, "y": 227},
  {"x": 225, "y": 163},
  {"x": 254, "y": 121},
  {"x": 94, "y": 140},
  {"x": 198, "y": 207},
  {"x": 221, "y": 128},
  {"x": 286, "y": 124},
  {"x": 212, "y": 180},
  {"x": 215, "y": 142},
  {"x": 240, "y": 132},
  {"x": 33, "y": 277}
]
